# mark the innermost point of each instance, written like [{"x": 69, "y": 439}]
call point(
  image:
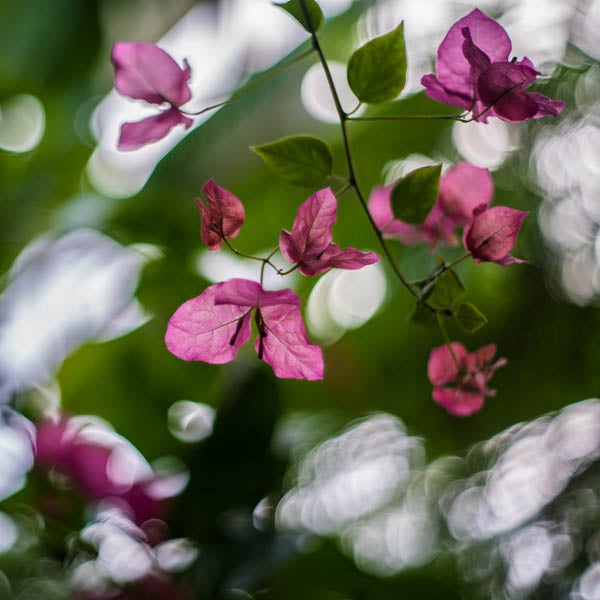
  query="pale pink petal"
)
[
  {"x": 348, "y": 258},
  {"x": 146, "y": 72},
  {"x": 380, "y": 207},
  {"x": 334, "y": 258},
  {"x": 452, "y": 67},
  {"x": 286, "y": 347},
  {"x": 224, "y": 215},
  {"x": 287, "y": 247},
  {"x": 381, "y": 211},
  {"x": 458, "y": 401},
  {"x": 492, "y": 233},
  {"x": 546, "y": 106},
  {"x": 463, "y": 188},
  {"x": 436, "y": 91},
  {"x": 138, "y": 134},
  {"x": 480, "y": 359},
  {"x": 441, "y": 367},
  {"x": 202, "y": 330},
  {"x": 477, "y": 58},
  {"x": 247, "y": 293},
  {"x": 311, "y": 232}
]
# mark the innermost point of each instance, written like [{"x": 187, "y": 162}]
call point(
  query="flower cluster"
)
[
  {"x": 473, "y": 72},
  {"x": 89, "y": 463},
  {"x": 145, "y": 72},
  {"x": 464, "y": 197},
  {"x": 460, "y": 377},
  {"x": 213, "y": 326}
]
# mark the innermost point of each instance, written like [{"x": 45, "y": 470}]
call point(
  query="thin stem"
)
[
  {"x": 343, "y": 189},
  {"x": 268, "y": 261},
  {"x": 354, "y": 109},
  {"x": 282, "y": 273},
  {"x": 343, "y": 117},
  {"x": 265, "y": 261},
  {"x": 410, "y": 118},
  {"x": 252, "y": 84},
  {"x": 442, "y": 328}
]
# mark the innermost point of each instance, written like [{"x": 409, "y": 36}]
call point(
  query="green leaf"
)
[
  {"x": 421, "y": 315},
  {"x": 377, "y": 70},
  {"x": 315, "y": 14},
  {"x": 469, "y": 317},
  {"x": 299, "y": 160},
  {"x": 413, "y": 196},
  {"x": 447, "y": 291}
]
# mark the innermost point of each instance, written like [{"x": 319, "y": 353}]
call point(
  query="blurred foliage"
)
[{"x": 55, "y": 50}]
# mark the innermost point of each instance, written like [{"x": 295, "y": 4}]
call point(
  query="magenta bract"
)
[
  {"x": 473, "y": 72},
  {"x": 61, "y": 446},
  {"x": 463, "y": 187},
  {"x": 309, "y": 244},
  {"x": 492, "y": 233},
  {"x": 213, "y": 326},
  {"x": 222, "y": 217},
  {"x": 460, "y": 378},
  {"x": 146, "y": 72}
]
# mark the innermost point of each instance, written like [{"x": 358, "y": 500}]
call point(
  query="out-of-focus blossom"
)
[
  {"x": 460, "y": 377},
  {"x": 222, "y": 217},
  {"x": 473, "y": 72},
  {"x": 145, "y": 72},
  {"x": 213, "y": 326},
  {"x": 62, "y": 446},
  {"x": 492, "y": 233},
  {"x": 309, "y": 244},
  {"x": 463, "y": 187}
]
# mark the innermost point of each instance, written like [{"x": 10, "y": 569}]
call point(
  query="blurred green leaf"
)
[
  {"x": 413, "y": 196},
  {"x": 377, "y": 70},
  {"x": 300, "y": 160},
  {"x": 421, "y": 315},
  {"x": 448, "y": 289},
  {"x": 315, "y": 14},
  {"x": 469, "y": 317}
]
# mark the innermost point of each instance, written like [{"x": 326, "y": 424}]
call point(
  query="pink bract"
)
[
  {"x": 309, "y": 244},
  {"x": 463, "y": 187},
  {"x": 473, "y": 72},
  {"x": 146, "y": 72},
  {"x": 460, "y": 378},
  {"x": 222, "y": 217},
  {"x": 492, "y": 233},
  {"x": 60, "y": 445},
  {"x": 213, "y": 326}
]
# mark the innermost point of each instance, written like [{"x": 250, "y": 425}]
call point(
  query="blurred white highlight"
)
[
  {"x": 344, "y": 300},
  {"x": 190, "y": 421},
  {"x": 22, "y": 123}
]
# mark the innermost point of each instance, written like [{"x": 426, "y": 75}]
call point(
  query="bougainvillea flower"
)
[
  {"x": 492, "y": 233},
  {"x": 145, "y": 72},
  {"x": 222, "y": 217},
  {"x": 88, "y": 463},
  {"x": 309, "y": 244},
  {"x": 463, "y": 188},
  {"x": 214, "y": 325},
  {"x": 473, "y": 72},
  {"x": 460, "y": 378}
]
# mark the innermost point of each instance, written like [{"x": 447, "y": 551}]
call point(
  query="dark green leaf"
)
[
  {"x": 300, "y": 160},
  {"x": 447, "y": 291},
  {"x": 469, "y": 317},
  {"x": 377, "y": 71},
  {"x": 315, "y": 14},
  {"x": 413, "y": 196},
  {"x": 421, "y": 315}
]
